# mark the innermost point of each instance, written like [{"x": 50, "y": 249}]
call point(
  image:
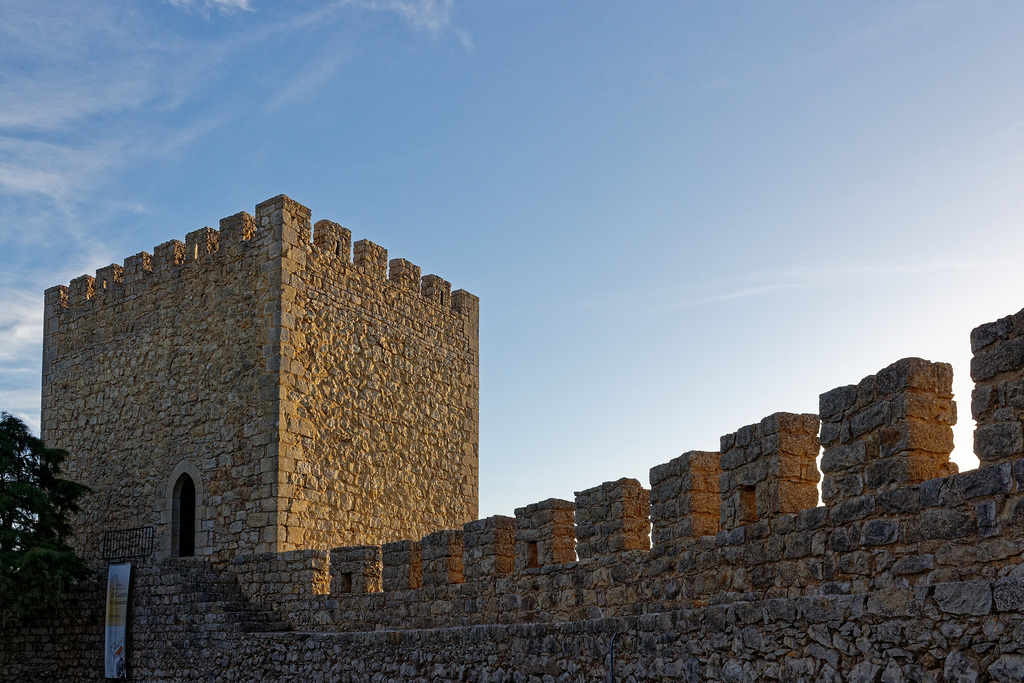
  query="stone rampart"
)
[
  {"x": 183, "y": 629},
  {"x": 736, "y": 527}
]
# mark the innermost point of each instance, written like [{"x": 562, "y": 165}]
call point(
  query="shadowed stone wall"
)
[{"x": 950, "y": 632}]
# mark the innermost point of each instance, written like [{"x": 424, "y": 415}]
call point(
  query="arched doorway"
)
[{"x": 183, "y": 538}]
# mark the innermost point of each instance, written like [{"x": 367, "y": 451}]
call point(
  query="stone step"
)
[
  {"x": 266, "y": 626},
  {"x": 209, "y": 591}
]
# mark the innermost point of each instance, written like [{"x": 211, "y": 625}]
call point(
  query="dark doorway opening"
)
[{"x": 185, "y": 517}]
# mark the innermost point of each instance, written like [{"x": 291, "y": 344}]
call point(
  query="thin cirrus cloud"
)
[
  {"x": 432, "y": 16},
  {"x": 110, "y": 99},
  {"x": 108, "y": 62},
  {"x": 63, "y": 123},
  {"x": 70, "y": 118},
  {"x": 53, "y": 97},
  {"x": 112, "y": 80},
  {"x": 21, "y": 332},
  {"x": 58, "y": 179},
  {"x": 426, "y": 14},
  {"x": 760, "y": 283},
  {"x": 53, "y": 170},
  {"x": 309, "y": 81},
  {"x": 206, "y": 5}
]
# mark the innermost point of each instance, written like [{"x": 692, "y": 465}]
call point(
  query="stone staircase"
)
[{"x": 201, "y": 596}]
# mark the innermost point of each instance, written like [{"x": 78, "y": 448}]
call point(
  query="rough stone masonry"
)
[
  {"x": 314, "y": 399},
  {"x": 726, "y": 569}
]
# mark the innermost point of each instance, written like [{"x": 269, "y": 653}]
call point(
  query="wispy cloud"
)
[
  {"x": 52, "y": 97},
  {"x": 104, "y": 65},
  {"x": 431, "y": 16},
  {"x": 21, "y": 327},
  {"x": 308, "y": 82},
  {"x": 62, "y": 114},
  {"x": 206, "y": 5},
  {"x": 801, "y": 278},
  {"x": 70, "y": 117},
  {"x": 21, "y": 334},
  {"x": 54, "y": 170}
]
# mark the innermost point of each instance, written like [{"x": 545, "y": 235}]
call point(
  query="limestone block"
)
[
  {"x": 372, "y": 259},
  {"x": 545, "y": 533},
  {"x": 968, "y": 597},
  {"x": 285, "y": 220},
  {"x": 892, "y": 430},
  {"x": 200, "y": 243},
  {"x": 685, "y": 497},
  {"x": 442, "y": 557},
  {"x": 489, "y": 547},
  {"x": 612, "y": 518},
  {"x": 356, "y": 569},
  {"x": 168, "y": 255},
  {"x": 333, "y": 240},
  {"x": 436, "y": 289},
  {"x": 137, "y": 267},
  {"x": 997, "y": 402},
  {"x": 768, "y": 469},
  {"x": 81, "y": 290},
  {"x": 404, "y": 274},
  {"x": 238, "y": 228},
  {"x": 108, "y": 277},
  {"x": 402, "y": 565}
]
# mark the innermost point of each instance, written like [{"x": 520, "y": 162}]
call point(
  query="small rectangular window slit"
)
[{"x": 748, "y": 505}]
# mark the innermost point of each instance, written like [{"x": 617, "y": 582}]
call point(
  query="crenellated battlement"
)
[
  {"x": 327, "y": 242},
  {"x": 739, "y": 525}
]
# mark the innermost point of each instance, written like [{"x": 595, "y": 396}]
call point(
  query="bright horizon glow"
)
[{"x": 680, "y": 217}]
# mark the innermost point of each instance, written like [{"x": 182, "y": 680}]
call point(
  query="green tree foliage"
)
[{"x": 36, "y": 565}]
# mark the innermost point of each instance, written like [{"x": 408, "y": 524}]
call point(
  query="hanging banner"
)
[{"x": 116, "y": 654}]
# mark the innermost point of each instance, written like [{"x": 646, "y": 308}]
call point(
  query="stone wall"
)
[
  {"x": 970, "y": 631},
  {"x": 684, "y": 497},
  {"x": 291, "y": 582},
  {"x": 380, "y": 389},
  {"x": 315, "y": 401},
  {"x": 997, "y": 403},
  {"x": 883, "y": 527},
  {"x": 155, "y": 370},
  {"x": 545, "y": 534},
  {"x": 891, "y": 430},
  {"x": 612, "y": 518},
  {"x": 64, "y": 646},
  {"x": 768, "y": 469}
]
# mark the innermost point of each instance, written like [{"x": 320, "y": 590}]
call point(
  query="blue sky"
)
[{"x": 680, "y": 216}]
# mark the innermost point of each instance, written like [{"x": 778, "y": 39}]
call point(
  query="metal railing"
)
[
  {"x": 126, "y": 544},
  {"x": 611, "y": 659}
]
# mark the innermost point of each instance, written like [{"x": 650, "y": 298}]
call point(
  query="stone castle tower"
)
[{"x": 251, "y": 390}]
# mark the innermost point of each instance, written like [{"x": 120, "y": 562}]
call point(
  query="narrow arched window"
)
[{"x": 184, "y": 523}]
